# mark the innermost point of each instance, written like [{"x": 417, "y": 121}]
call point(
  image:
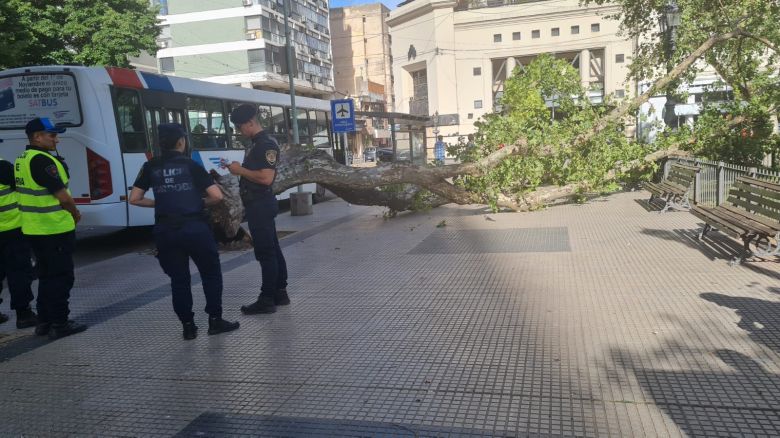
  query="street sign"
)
[{"x": 343, "y": 115}]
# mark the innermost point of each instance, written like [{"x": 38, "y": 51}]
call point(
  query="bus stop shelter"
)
[{"x": 407, "y": 135}]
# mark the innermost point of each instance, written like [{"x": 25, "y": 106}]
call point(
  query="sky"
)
[{"x": 341, "y": 3}]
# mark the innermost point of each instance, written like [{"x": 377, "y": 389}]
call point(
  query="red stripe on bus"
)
[
  {"x": 82, "y": 200},
  {"x": 123, "y": 77}
]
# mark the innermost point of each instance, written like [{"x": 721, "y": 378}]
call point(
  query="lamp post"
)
[{"x": 669, "y": 21}]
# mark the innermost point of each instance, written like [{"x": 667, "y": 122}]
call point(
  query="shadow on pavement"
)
[
  {"x": 214, "y": 424},
  {"x": 760, "y": 318},
  {"x": 740, "y": 402}
]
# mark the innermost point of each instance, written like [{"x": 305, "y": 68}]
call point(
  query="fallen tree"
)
[{"x": 525, "y": 159}]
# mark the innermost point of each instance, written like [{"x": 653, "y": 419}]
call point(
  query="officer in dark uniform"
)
[
  {"x": 49, "y": 218},
  {"x": 257, "y": 173},
  {"x": 14, "y": 251},
  {"x": 181, "y": 231}
]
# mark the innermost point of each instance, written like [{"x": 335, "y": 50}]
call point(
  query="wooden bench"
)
[
  {"x": 675, "y": 189},
  {"x": 751, "y": 213}
]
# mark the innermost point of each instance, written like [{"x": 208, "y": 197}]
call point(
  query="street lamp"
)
[{"x": 669, "y": 21}]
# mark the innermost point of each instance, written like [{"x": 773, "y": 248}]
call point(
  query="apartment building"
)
[
  {"x": 452, "y": 57},
  {"x": 362, "y": 65},
  {"x": 242, "y": 42}
]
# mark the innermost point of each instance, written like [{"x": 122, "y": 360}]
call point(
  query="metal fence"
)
[{"x": 715, "y": 178}]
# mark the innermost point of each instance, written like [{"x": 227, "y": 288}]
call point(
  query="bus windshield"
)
[{"x": 29, "y": 95}]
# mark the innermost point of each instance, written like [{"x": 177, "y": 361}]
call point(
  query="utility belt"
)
[
  {"x": 177, "y": 220},
  {"x": 252, "y": 194}
]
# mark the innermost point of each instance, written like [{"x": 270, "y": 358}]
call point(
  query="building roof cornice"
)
[
  {"x": 473, "y": 20},
  {"x": 418, "y": 8}
]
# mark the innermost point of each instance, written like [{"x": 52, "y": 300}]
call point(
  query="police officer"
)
[
  {"x": 181, "y": 231},
  {"x": 49, "y": 217},
  {"x": 14, "y": 251},
  {"x": 257, "y": 173}
]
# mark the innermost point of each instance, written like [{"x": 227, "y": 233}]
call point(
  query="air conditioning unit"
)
[
  {"x": 251, "y": 35},
  {"x": 162, "y": 44},
  {"x": 248, "y": 2}
]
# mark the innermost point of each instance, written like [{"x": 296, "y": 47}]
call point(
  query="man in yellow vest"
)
[
  {"x": 49, "y": 217},
  {"x": 14, "y": 251}
]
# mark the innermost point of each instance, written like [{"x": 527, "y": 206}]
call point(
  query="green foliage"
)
[
  {"x": 546, "y": 104},
  {"x": 746, "y": 143},
  {"x": 88, "y": 32}
]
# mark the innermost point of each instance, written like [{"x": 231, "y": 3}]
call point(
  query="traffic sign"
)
[{"x": 343, "y": 115}]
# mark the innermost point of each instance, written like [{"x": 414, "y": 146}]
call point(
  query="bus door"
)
[{"x": 158, "y": 107}]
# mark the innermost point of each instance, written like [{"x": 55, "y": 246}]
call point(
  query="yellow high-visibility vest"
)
[
  {"x": 10, "y": 216},
  {"x": 42, "y": 214}
]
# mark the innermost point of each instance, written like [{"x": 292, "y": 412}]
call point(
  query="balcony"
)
[{"x": 418, "y": 106}]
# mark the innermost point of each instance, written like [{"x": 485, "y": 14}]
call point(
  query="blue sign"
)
[{"x": 343, "y": 115}]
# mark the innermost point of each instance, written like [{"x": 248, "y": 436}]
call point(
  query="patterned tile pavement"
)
[{"x": 603, "y": 319}]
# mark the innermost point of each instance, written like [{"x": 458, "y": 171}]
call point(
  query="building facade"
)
[
  {"x": 452, "y": 57},
  {"x": 362, "y": 67},
  {"x": 242, "y": 42}
]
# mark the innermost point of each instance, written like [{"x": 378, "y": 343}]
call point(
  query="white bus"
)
[{"x": 111, "y": 115}]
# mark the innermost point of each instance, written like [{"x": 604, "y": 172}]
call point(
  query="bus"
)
[{"x": 111, "y": 115}]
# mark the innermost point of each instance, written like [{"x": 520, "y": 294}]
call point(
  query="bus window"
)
[
  {"x": 130, "y": 121},
  {"x": 320, "y": 132},
  {"x": 207, "y": 123},
  {"x": 279, "y": 124},
  {"x": 303, "y": 127}
]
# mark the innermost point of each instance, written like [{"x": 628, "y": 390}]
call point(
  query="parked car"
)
[
  {"x": 369, "y": 154},
  {"x": 386, "y": 155}
]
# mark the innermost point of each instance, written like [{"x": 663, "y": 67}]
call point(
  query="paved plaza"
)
[{"x": 602, "y": 319}]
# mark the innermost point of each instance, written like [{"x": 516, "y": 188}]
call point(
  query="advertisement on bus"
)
[{"x": 28, "y": 96}]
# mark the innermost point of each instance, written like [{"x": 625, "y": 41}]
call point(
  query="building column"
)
[
  {"x": 585, "y": 68},
  {"x": 510, "y": 66}
]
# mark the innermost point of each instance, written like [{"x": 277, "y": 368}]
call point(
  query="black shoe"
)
[
  {"x": 26, "y": 318},
  {"x": 281, "y": 298},
  {"x": 190, "y": 331},
  {"x": 42, "y": 328},
  {"x": 3, "y": 318},
  {"x": 262, "y": 305},
  {"x": 62, "y": 329},
  {"x": 219, "y": 325}
]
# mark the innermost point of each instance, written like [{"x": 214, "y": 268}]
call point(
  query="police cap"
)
[
  {"x": 243, "y": 113},
  {"x": 42, "y": 124},
  {"x": 169, "y": 134}
]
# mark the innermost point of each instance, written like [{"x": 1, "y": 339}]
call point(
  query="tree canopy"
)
[{"x": 88, "y": 32}]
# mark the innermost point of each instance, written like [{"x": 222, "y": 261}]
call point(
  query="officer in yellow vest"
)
[
  {"x": 49, "y": 217},
  {"x": 14, "y": 251}
]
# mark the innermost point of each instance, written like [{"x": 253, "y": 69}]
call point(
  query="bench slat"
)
[
  {"x": 770, "y": 194},
  {"x": 760, "y": 183},
  {"x": 773, "y": 226},
  {"x": 717, "y": 222},
  {"x": 753, "y": 208},
  {"x": 745, "y": 220}
]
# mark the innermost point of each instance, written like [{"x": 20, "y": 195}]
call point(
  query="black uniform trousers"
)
[
  {"x": 15, "y": 265},
  {"x": 260, "y": 214},
  {"x": 54, "y": 257},
  {"x": 176, "y": 244}
]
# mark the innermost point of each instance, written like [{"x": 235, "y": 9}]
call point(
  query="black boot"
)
[
  {"x": 218, "y": 325},
  {"x": 3, "y": 318},
  {"x": 262, "y": 305},
  {"x": 62, "y": 329},
  {"x": 190, "y": 331},
  {"x": 281, "y": 298},
  {"x": 42, "y": 328},
  {"x": 26, "y": 318}
]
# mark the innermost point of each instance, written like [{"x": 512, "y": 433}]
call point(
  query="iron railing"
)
[{"x": 714, "y": 180}]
